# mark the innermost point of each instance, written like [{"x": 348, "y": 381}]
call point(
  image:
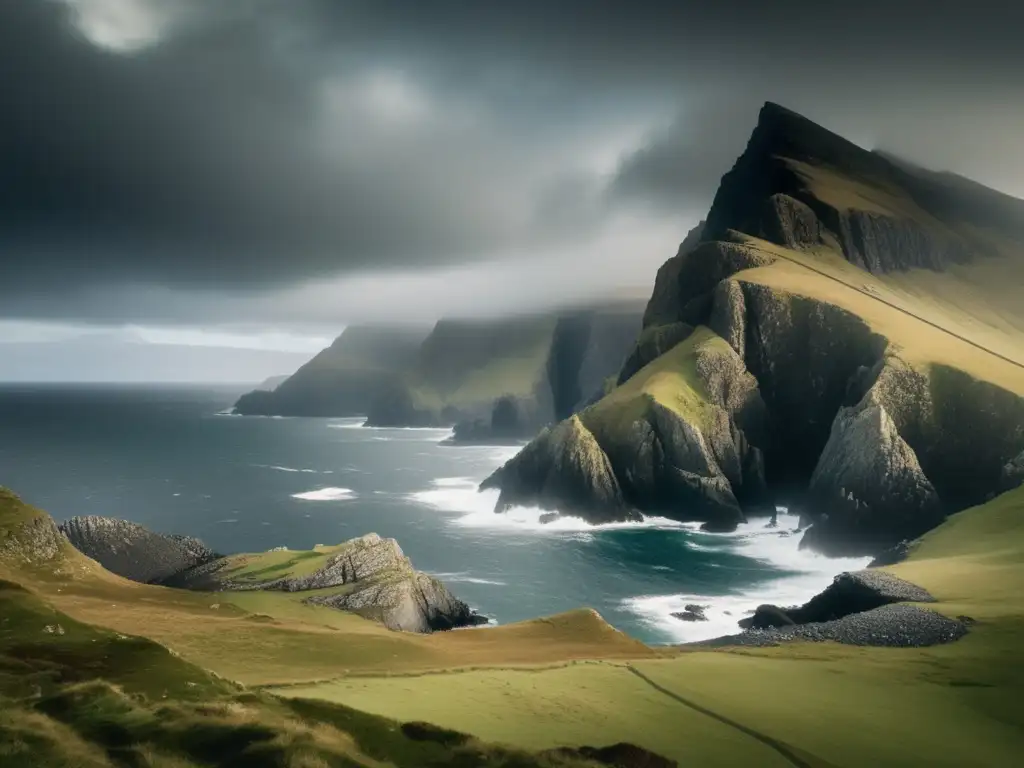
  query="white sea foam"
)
[
  {"x": 422, "y": 433},
  {"x": 476, "y": 508},
  {"x": 326, "y": 494},
  {"x": 463, "y": 577},
  {"x": 288, "y": 469},
  {"x": 814, "y": 572}
]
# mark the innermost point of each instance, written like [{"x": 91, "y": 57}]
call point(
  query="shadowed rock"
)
[
  {"x": 129, "y": 550},
  {"x": 868, "y": 486},
  {"x": 563, "y": 469},
  {"x": 849, "y": 593}
]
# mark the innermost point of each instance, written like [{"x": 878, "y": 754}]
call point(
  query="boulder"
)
[
  {"x": 407, "y": 601},
  {"x": 691, "y": 612}
]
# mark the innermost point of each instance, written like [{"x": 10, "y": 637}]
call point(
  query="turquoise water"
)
[{"x": 171, "y": 460}]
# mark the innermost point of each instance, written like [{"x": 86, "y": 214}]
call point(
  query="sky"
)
[{"x": 251, "y": 176}]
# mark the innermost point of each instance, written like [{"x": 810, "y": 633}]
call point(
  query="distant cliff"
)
[
  {"x": 343, "y": 379},
  {"x": 507, "y": 378},
  {"x": 843, "y": 334}
]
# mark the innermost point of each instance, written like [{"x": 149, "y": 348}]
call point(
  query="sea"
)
[{"x": 176, "y": 461}]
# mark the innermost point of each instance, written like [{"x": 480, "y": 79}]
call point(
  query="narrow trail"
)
[{"x": 768, "y": 741}]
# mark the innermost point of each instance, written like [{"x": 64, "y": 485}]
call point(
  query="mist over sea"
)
[{"x": 172, "y": 460}]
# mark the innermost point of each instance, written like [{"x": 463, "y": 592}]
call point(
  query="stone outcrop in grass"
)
[
  {"x": 129, "y": 550},
  {"x": 849, "y": 593}
]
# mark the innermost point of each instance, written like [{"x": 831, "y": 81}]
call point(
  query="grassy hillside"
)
[
  {"x": 342, "y": 379},
  {"x": 822, "y": 704},
  {"x": 99, "y": 671},
  {"x": 466, "y": 363}
]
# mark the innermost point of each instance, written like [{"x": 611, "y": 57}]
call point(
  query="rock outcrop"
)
[
  {"x": 27, "y": 536},
  {"x": 129, "y": 550},
  {"x": 868, "y": 489},
  {"x": 817, "y": 405},
  {"x": 663, "y": 443},
  {"x": 563, "y": 469},
  {"x": 849, "y": 593},
  {"x": 369, "y": 575}
]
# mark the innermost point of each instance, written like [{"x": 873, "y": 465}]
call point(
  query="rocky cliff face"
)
[
  {"x": 132, "y": 551},
  {"x": 814, "y": 404},
  {"x": 506, "y": 379}
]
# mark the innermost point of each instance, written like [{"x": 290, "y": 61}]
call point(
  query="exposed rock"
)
[
  {"x": 563, "y": 469},
  {"x": 409, "y": 602},
  {"x": 868, "y": 486},
  {"x": 767, "y": 616},
  {"x": 728, "y": 315},
  {"x": 803, "y": 353},
  {"x": 685, "y": 283},
  {"x": 897, "y": 553},
  {"x": 691, "y": 612},
  {"x": 1013, "y": 473},
  {"x": 849, "y": 593},
  {"x": 382, "y": 585},
  {"x": 893, "y": 626},
  {"x": 129, "y": 550},
  {"x": 34, "y": 540},
  {"x": 963, "y": 431},
  {"x": 789, "y": 222}
]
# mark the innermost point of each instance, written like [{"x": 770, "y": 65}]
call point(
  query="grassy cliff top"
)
[
  {"x": 967, "y": 318},
  {"x": 670, "y": 379}
]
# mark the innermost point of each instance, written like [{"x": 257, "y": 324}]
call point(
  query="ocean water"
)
[{"x": 172, "y": 460}]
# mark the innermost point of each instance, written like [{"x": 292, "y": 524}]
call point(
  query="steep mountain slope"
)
[
  {"x": 343, "y": 379},
  {"x": 876, "y": 349},
  {"x": 508, "y": 377}
]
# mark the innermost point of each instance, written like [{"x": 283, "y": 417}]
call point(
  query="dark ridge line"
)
[
  {"x": 768, "y": 741},
  {"x": 898, "y": 308}
]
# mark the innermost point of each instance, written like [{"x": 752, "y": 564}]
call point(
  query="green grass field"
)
[{"x": 827, "y": 704}]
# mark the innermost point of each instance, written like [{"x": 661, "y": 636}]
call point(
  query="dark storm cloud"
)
[{"x": 257, "y": 144}]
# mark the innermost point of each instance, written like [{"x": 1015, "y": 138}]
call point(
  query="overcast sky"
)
[{"x": 256, "y": 174}]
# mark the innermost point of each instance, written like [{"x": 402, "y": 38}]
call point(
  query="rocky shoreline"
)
[{"x": 866, "y": 608}]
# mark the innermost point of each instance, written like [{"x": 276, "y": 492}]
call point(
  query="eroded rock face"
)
[
  {"x": 406, "y": 602},
  {"x": 685, "y": 283},
  {"x": 563, "y": 469},
  {"x": 129, "y": 550},
  {"x": 789, "y": 222},
  {"x": 868, "y": 488},
  {"x": 803, "y": 354}
]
